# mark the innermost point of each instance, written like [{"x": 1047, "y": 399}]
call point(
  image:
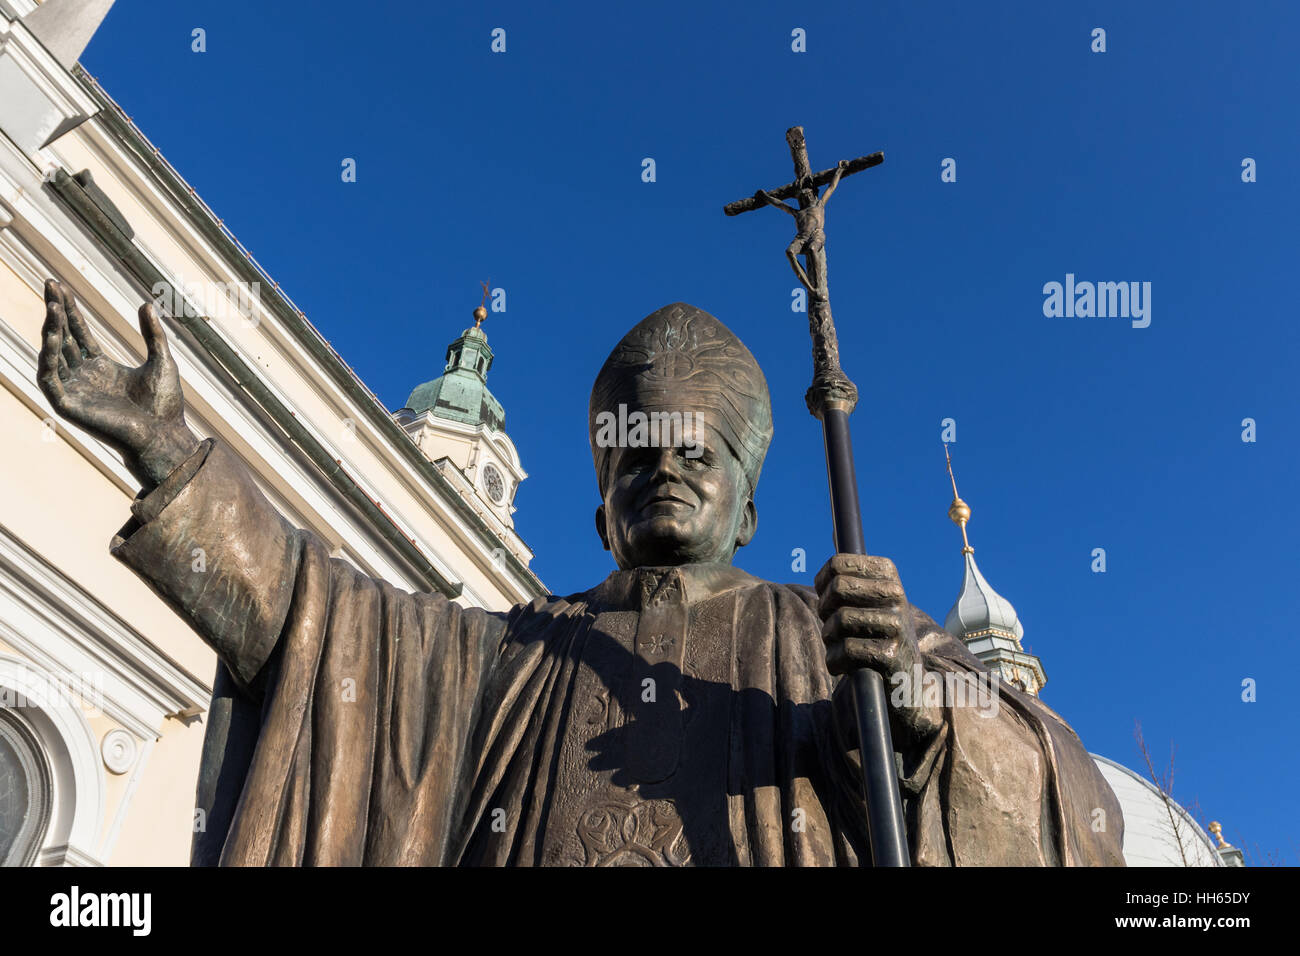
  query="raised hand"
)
[{"x": 140, "y": 412}]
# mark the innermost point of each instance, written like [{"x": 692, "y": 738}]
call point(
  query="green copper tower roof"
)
[{"x": 461, "y": 394}]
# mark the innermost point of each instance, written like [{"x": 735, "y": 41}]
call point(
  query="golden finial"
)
[
  {"x": 1217, "y": 829},
  {"x": 958, "y": 511},
  {"x": 481, "y": 312}
]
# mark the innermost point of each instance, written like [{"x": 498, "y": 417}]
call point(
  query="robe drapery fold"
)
[{"x": 354, "y": 723}]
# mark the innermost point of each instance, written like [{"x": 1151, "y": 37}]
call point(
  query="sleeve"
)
[
  {"x": 343, "y": 709},
  {"x": 1003, "y": 781},
  {"x": 209, "y": 544}
]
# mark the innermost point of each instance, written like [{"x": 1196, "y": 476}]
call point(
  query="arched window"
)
[{"x": 25, "y": 792}]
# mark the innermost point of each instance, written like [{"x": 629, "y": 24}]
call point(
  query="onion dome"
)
[
  {"x": 984, "y": 620},
  {"x": 461, "y": 394},
  {"x": 980, "y": 609}
]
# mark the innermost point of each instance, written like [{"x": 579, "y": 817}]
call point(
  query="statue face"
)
[{"x": 677, "y": 505}]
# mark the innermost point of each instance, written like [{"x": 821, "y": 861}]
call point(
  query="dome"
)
[
  {"x": 455, "y": 397},
  {"x": 979, "y": 608},
  {"x": 1150, "y": 837},
  {"x": 460, "y": 393}
]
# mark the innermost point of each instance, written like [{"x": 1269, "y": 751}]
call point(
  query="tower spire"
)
[
  {"x": 460, "y": 393},
  {"x": 461, "y": 427},
  {"x": 958, "y": 511},
  {"x": 983, "y": 619}
]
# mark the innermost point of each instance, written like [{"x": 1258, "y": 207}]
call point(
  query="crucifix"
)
[
  {"x": 831, "y": 398},
  {"x": 481, "y": 312}
]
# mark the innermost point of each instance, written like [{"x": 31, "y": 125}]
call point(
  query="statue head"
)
[
  {"x": 807, "y": 194},
  {"x": 680, "y": 421}
]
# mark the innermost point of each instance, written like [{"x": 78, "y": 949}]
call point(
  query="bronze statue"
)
[{"x": 679, "y": 712}]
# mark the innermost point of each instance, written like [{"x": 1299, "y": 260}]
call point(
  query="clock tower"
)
[{"x": 460, "y": 426}]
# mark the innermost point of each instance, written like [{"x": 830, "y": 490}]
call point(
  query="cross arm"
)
[
  {"x": 767, "y": 198},
  {"x": 790, "y": 189}
]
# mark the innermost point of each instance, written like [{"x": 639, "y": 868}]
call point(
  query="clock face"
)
[{"x": 494, "y": 483}]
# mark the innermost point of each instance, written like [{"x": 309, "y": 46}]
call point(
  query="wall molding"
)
[{"x": 63, "y": 628}]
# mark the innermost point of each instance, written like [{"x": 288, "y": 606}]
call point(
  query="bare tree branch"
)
[{"x": 1165, "y": 785}]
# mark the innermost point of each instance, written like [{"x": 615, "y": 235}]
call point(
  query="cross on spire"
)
[{"x": 480, "y": 313}]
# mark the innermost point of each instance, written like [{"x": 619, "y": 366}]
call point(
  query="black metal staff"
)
[{"x": 831, "y": 398}]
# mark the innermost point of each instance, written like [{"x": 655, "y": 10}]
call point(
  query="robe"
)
[{"x": 668, "y": 716}]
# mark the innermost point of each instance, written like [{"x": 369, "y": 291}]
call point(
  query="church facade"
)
[{"x": 103, "y": 689}]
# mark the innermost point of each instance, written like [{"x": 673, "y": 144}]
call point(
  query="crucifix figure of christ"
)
[
  {"x": 810, "y": 223},
  {"x": 810, "y": 229}
]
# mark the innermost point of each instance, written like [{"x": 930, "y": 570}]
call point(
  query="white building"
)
[{"x": 103, "y": 689}]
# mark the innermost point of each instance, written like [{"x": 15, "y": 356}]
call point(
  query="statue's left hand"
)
[{"x": 867, "y": 622}]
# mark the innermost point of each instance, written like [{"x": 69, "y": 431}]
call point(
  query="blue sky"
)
[{"x": 1072, "y": 433}]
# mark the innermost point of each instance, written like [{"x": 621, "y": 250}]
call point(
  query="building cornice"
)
[
  {"x": 17, "y": 9},
  {"x": 500, "y": 442},
  {"x": 55, "y": 101}
]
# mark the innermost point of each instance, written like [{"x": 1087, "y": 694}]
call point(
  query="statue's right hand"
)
[{"x": 138, "y": 411}]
